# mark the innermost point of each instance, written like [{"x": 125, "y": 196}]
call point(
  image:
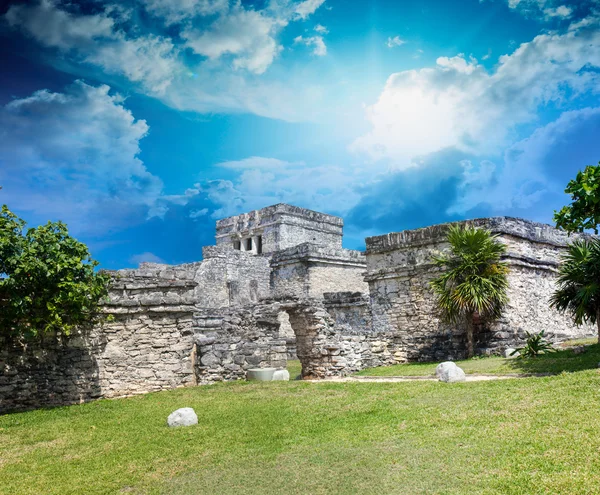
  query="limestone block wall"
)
[
  {"x": 282, "y": 226},
  {"x": 148, "y": 346},
  {"x": 399, "y": 271},
  {"x": 333, "y": 337},
  {"x": 308, "y": 271},
  {"x": 359, "y": 345},
  {"x": 55, "y": 373},
  {"x": 235, "y": 340}
]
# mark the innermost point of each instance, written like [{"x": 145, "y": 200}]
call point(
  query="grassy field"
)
[
  {"x": 525, "y": 436},
  {"x": 557, "y": 362}
]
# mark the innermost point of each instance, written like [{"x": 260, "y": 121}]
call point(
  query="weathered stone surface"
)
[
  {"x": 508, "y": 353},
  {"x": 281, "y": 375},
  {"x": 281, "y": 226},
  {"x": 449, "y": 372},
  {"x": 303, "y": 296},
  {"x": 185, "y": 416},
  {"x": 399, "y": 272}
]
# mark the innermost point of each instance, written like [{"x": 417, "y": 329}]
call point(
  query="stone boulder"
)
[
  {"x": 281, "y": 375},
  {"x": 449, "y": 372},
  {"x": 185, "y": 416},
  {"x": 508, "y": 353}
]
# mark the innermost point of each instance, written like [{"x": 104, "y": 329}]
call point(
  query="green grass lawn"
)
[
  {"x": 526, "y": 436},
  {"x": 557, "y": 362},
  {"x": 294, "y": 367}
]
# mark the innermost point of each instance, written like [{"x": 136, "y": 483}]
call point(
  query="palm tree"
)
[
  {"x": 578, "y": 291},
  {"x": 473, "y": 282}
]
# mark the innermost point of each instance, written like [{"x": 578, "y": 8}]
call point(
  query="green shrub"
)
[
  {"x": 47, "y": 280},
  {"x": 535, "y": 345}
]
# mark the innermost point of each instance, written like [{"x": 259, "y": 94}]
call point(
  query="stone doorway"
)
[{"x": 313, "y": 329}]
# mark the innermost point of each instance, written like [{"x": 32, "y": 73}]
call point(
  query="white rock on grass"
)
[
  {"x": 283, "y": 375},
  {"x": 185, "y": 416},
  {"x": 449, "y": 372},
  {"x": 508, "y": 352}
]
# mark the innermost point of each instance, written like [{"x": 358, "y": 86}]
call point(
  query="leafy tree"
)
[
  {"x": 584, "y": 211},
  {"x": 474, "y": 280},
  {"x": 47, "y": 280},
  {"x": 578, "y": 283}
]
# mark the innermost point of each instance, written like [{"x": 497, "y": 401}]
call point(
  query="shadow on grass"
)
[{"x": 559, "y": 361}]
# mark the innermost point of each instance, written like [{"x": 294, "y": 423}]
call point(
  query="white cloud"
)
[
  {"x": 58, "y": 28},
  {"x": 308, "y": 7},
  {"x": 95, "y": 39},
  {"x": 239, "y": 44},
  {"x": 173, "y": 11},
  {"x": 316, "y": 42},
  {"x": 258, "y": 162},
  {"x": 150, "y": 60},
  {"x": 288, "y": 98},
  {"x": 198, "y": 213},
  {"x": 321, "y": 29},
  {"x": 538, "y": 165},
  {"x": 74, "y": 156},
  {"x": 562, "y": 12},
  {"x": 247, "y": 35},
  {"x": 395, "y": 41},
  {"x": 459, "y": 104},
  {"x": 146, "y": 257},
  {"x": 552, "y": 9},
  {"x": 264, "y": 181}
]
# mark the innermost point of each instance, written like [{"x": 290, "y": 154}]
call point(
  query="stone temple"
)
[{"x": 278, "y": 284}]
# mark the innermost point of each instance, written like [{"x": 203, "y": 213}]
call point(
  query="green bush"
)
[
  {"x": 47, "y": 280},
  {"x": 535, "y": 345}
]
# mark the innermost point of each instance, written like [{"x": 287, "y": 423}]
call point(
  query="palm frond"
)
[
  {"x": 474, "y": 277},
  {"x": 578, "y": 283}
]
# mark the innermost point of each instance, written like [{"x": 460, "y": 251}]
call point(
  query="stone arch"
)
[
  {"x": 316, "y": 345},
  {"x": 286, "y": 332}
]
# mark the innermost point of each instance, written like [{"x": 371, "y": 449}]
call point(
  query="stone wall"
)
[
  {"x": 237, "y": 339},
  {"x": 333, "y": 337},
  {"x": 147, "y": 347},
  {"x": 281, "y": 226},
  {"x": 308, "y": 271},
  {"x": 359, "y": 344},
  {"x": 399, "y": 271},
  {"x": 212, "y": 320},
  {"x": 58, "y": 372},
  {"x": 223, "y": 278},
  {"x": 239, "y": 278}
]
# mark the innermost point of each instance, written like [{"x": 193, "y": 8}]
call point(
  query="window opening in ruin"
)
[
  {"x": 234, "y": 292},
  {"x": 249, "y": 244},
  {"x": 253, "y": 290},
  {"x": 237, "y": 245},
  {"x": 286, "y": 332},
  {"x": 259, "y": 244}
]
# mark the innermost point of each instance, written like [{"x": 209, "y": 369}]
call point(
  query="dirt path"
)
[{"x": 395, "y": 379}]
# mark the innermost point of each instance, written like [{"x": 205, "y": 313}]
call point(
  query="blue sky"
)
[{"x": 141, "y": 122}]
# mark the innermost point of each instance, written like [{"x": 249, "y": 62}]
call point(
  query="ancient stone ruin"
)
[{"x": 277, "y": 285}]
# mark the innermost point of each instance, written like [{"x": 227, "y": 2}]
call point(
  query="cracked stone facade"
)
[
  {"x": 399, "y": 270},
  {"x": 278, "y": 285}
]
